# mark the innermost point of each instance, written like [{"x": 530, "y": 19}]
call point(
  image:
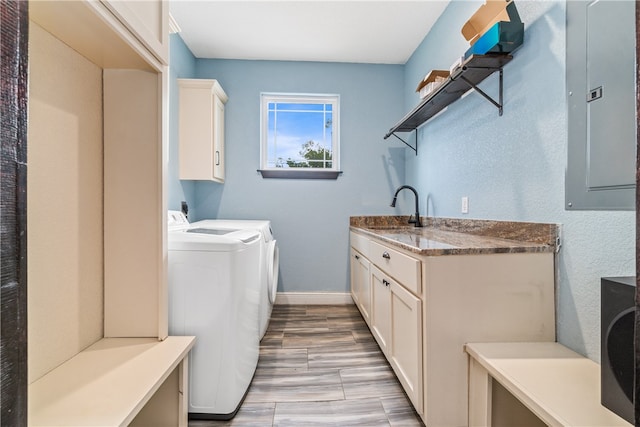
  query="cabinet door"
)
[
  {"x": 361, "y": 284},
  {"x": 396, "y": 323},
  {"x": 218, "y": 139},
  {"x": 405, "y": 348},
  {"x": 381, "y": 308},
  {"x": 148, "y": 21}
]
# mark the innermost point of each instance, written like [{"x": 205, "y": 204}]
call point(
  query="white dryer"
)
[
  {"x": 214, "y": 294},
  {"x": 269, "y": 264}
]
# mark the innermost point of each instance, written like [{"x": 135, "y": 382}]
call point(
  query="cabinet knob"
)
[
  {"x": 357, "y": 256},
  {"x": 386, "y": 255},
  {"x": 385, "y": 282}
]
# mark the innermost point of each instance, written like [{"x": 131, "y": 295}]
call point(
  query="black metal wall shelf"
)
[{"x": 466, "y": 77}]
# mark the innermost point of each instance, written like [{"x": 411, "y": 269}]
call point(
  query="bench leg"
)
[
  {"x": 183, "y": 391},
  {"x": 479, "y": 395}
]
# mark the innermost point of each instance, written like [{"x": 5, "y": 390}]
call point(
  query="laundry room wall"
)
[
  {"x": 512, "y": 167},
  {"x": 182, "y": 65},
  {"x": 310, "y": 218}
]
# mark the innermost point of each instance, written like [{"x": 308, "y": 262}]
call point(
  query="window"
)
[{"x": 299, "y": 136}]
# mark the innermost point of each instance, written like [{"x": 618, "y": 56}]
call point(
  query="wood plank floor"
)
[{"x": 320, "y": 366}]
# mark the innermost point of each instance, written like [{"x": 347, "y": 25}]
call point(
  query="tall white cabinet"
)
[{"x": 201, "y": 123}]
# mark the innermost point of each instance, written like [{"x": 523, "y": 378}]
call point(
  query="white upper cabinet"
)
[{"x": 201, "y": 123}]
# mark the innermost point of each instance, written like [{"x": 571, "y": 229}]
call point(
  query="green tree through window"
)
[{"x": 316, "y": 157}]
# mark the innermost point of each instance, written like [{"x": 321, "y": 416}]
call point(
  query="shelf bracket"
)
[
  {"x": 407, "y": 144},
  {"x": 487, "y": 97}
]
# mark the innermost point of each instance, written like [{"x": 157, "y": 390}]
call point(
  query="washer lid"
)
[
  {"x": 222, "y": 224},
  {"x": 188, "y": 240},
  {"x": 209, "y": 231}
]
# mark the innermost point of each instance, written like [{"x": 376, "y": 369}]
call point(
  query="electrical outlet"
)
[{"x": 465, "y": 205}]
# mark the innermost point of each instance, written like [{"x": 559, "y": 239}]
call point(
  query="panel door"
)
[
  {"x": 381, "y": 308},
  {"x": 601, "y": 99},
  {"x": 148, "y": 21},
  {"x": 405, "y": 351},
  {"x": 361, "y": 284},
  {"x": 218, "y": 139}
]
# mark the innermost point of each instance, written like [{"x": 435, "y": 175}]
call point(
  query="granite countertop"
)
[{"x": 452, "y": 236}]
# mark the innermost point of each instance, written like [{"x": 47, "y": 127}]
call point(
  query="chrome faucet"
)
[{"x": 415, "y": 221}]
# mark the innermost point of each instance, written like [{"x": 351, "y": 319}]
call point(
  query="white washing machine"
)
[
  {"x": 269, "y": 264},
  {"x": 214, "y": 294}
]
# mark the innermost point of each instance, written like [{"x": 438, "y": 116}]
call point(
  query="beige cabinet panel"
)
[
  {"x": 360, "y": 243},
  {"x": 380, "y": 309},
  {"x": 218, "y": 139},
  {"x": 91, "y": 29},
  {"x": 201, "y": 130},
  {"x": 148, "y": 20},
  {"x": 134, "y": 276},
  {"x": 361, "y": 284},
  {"x": 479, "y": 298},
  {"x": 397, "y": 326},
  {"x": 405, "y": 350}
]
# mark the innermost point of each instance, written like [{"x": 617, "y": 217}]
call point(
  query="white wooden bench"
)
[
  {"x": 116, "y": 382},
  {"x": 559, "y": 386}
]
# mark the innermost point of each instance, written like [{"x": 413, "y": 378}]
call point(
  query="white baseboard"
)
[{"x": 313, "y": 298}]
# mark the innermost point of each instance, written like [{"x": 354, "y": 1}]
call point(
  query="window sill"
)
[{"x": 299, "y": 173}]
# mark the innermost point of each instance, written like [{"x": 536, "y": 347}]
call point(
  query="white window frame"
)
[{"x": 300, "y": 98}]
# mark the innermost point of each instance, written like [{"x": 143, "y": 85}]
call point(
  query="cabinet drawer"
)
[
  {"x": 359, "y": 243},
  {"x": 401, "y": 267}
]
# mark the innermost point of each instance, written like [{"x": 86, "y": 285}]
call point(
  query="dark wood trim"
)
[
  {"x": 14, "y": 38},
  {"x": 637, "y": 322}
]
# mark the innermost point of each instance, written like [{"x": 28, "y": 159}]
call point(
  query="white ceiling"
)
[{"x": 364, "y": 31}]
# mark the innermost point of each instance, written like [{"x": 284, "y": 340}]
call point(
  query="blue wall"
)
[
  {"x": 512, "y": 167},
  {"x": 310, "y": 218},
  {"x": 182, "y": 65}
]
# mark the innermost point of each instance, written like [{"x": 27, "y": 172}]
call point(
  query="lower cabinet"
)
[
  {"x": 361, "y": 284},
  {"x": 423, "y": 309},
  {"x": 396, "y": 323}
]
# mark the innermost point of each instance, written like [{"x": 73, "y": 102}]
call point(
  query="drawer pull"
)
[
  {"x": 385, "y": 282},
  {"x": 386, "y": 255}
]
